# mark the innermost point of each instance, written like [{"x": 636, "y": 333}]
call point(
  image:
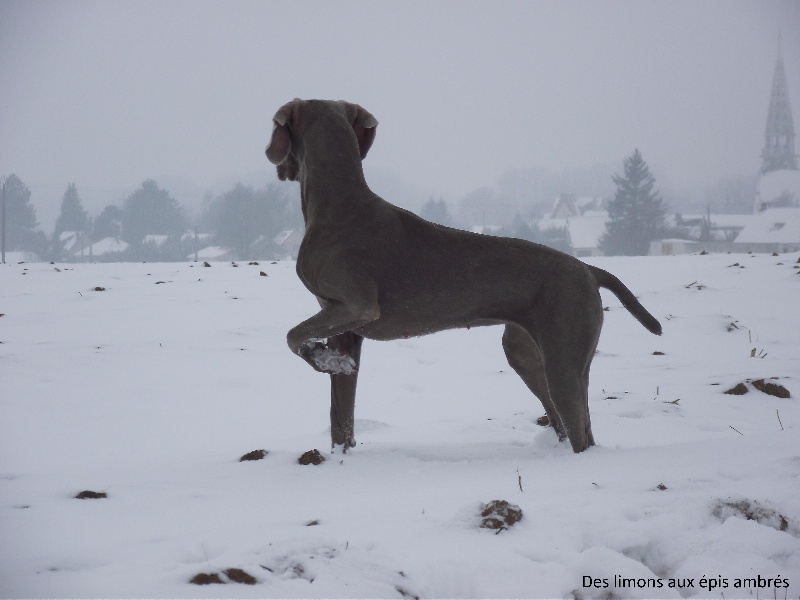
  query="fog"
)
[{"x": 108, "y": 94}]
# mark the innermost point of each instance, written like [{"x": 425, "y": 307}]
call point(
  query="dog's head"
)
[{"x": 288, "y": 125}]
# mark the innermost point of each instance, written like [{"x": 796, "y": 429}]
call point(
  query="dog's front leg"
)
[
  {"x": 306, "y": 339},
  {"x": 343, "y": 392}
]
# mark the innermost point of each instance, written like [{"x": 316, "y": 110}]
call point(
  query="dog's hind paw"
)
[{"x": 325, "y": 360}]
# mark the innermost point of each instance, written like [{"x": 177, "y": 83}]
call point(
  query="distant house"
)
[
  {"x": 584, "y": 220},
  {"x": 775, "y": 226},
  {"x": 585, "y": 233},
  {"x": 193, "y": 239},
  {"x": 155, "y": 240},
  {"x": 709, "y": 227},
  {"x": 107, "y": 246},
  {"x": 570, "y": 205},
  {"x": 194, "y": 235},
  {"x": 727, "y": 227},
  {"x": 75, "y": 244},
  {"x": 774, "y": 230}
]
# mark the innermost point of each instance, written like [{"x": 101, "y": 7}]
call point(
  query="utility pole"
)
[{"x": 4, "y": 222}]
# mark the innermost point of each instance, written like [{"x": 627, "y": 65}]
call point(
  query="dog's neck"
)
[{"x": 331, "y": 177}]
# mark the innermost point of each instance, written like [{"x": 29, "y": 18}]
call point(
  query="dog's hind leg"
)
[
  {"x": 524, "y": 357},
  {"x": 343, "y": 391},
  {"x": 567, "y": 356},
  {"x": 569, "y": 394}
]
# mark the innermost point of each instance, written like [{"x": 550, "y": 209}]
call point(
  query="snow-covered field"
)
[{"x": 151, "y": 389}]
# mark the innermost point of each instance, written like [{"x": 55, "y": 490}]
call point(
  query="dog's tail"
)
[{"x": 610, "y": 282}]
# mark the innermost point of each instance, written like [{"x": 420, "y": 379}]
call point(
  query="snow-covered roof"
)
[
  {"x": 67, "y": 235},
  {"x": 585, "y": 231},
  {"x": 570, "y": 205},
  {"x": 107, "y": 246},
  {"x": 212, "y": 252},
  {"x": 190, "y": 235},
  {"x": 773, "y": 226},
  {"x": 72, "y": 241},
  {"x": 157, "y": 240},
  {"x": 564, "y": 206},
  {"x": 719, "y": 221}
]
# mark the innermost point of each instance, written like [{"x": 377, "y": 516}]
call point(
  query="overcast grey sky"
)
[{"x": 106, "y": 94}]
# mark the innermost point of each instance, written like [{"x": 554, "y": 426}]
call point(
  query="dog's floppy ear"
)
[
  {"x": 280, "y": 144},
  {"x": 365, "y": 126}
]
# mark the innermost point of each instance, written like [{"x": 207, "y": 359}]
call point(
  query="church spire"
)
[{"x": 779, "y": 135}]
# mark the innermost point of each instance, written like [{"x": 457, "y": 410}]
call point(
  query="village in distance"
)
[{"x": 758, "y": 213}]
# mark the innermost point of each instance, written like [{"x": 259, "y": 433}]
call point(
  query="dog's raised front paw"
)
[{"x": 325, "y": 360}]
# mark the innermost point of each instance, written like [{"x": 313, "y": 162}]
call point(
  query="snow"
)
[
  {"x": 330, "y": 361},
  {"x": 151, "y": 389}
]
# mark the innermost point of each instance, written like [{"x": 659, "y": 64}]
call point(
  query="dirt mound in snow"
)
[
  {"x": 206, "y": 579},
  {"x": 235, "y": 575},
  {"x": 773, "y": 389},
  {"x": 738, "y": 390},
  {"x": 312, "y": 457},
  {"x": 240, "y": 576},
  {"x": 254, "y": 455},
  {"x": 90, "y": 495},
  {"x": 753, "y": 511},
  {"x": 762, "y": 385},
  {"x": 500, "y": 515}
]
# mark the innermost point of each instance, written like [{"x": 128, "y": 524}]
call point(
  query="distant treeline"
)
[
  {"x": 254, "y": 223},
  {"x": 150, "y": 225}
]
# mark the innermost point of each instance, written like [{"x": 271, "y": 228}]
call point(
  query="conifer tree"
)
[
  {"x": 151, "y": 210},
  {"x": 636, "y": 214},
  {"x": 72, "y": 217},
  {"x": 20, "y": 215},
  {"x": 108, "y": 223}
]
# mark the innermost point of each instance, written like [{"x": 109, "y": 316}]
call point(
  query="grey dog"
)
[{"x": 383, "y": 273}]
